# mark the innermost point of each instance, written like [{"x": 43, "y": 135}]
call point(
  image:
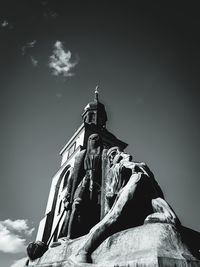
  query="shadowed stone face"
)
[
  {"x": 94, "y": 141},
  {"x": 111, "y": 154}
]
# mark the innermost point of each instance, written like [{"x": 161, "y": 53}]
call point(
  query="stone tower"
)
[{"x": 94, "y": 121}]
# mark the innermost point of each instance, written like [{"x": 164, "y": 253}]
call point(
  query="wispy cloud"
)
[
  {"x": 34, "y": 61},
  {"x": 4, "y": 24},
  {"x": 50, "y": 14},
  {"x": 61, "y": 61},
  {"x": 19, "y": 263},
  {"x": 28, "y": 45},
  {"x": 12, "y": 235},
  {"x": 25, "y": 51},
  {"x": 19, "y": 225}
]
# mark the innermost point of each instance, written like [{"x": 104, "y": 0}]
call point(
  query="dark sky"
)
[{"x": 144, "y": 55}]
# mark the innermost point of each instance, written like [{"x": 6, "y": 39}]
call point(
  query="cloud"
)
[
  {"x": 18, "y": 225},
  {"x": 50, "y": 14},
  {"x": 19, "y": 263},
  {"x": 28, "y": 45},
  {"x": 60, "y": 61},
  {"x": 10, "y": 242},
  {"x": 12, "y": 235},
  {"x": 4, "y": 24},
  {"x": 34, "y": 61}
]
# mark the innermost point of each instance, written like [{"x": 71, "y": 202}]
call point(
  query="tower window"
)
[
  {"x": 71, "y": 149},
  {"x": 91, "y": 117}
]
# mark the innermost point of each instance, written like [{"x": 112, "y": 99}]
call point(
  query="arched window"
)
[
  {"x": 66, "y": 176},
  {"x": 91, "y": 117}
]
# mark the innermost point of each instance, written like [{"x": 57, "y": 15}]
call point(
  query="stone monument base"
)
[{"x": 156, "y": 244}]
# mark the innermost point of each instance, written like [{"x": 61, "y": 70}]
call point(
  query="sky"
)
[{"x": 145, "y": 57}]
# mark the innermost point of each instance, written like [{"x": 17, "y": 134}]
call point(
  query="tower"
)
[{"x": 94, "y": 121}]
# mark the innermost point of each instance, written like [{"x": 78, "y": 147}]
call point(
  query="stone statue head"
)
[
  {"x": 94, "y": 141},
  {"x": 113, "y": 155}
]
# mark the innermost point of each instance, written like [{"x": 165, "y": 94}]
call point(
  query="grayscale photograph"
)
[{"x": 100, "y": 133}]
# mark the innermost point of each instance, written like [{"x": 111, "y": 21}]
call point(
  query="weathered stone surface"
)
[{"x": 147, "y": 245}]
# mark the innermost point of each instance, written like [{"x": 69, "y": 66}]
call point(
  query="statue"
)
[
  {"x": 67, "y": 205},
  {"x": 86, "y": 193},
  {"x": 132, "y": 198}
]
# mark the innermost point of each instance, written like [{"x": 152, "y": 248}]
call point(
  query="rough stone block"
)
[{"x": 147, "y": 245}]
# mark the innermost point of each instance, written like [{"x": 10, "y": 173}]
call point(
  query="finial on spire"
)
[{"x": 96, "y": 97}]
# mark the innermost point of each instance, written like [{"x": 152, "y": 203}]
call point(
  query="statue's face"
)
[
  {"x": 112, "y": 154},
  {"x": 94, "y": 137},
  {"x": 94, "y": 140}
]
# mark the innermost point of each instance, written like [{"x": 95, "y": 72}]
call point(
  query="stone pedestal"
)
[{"x": 147, "y": 245}]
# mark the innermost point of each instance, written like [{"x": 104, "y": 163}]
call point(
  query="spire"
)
[
  {"x": 94, "y": 112},
  {"x": 96, "y": 92}
]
